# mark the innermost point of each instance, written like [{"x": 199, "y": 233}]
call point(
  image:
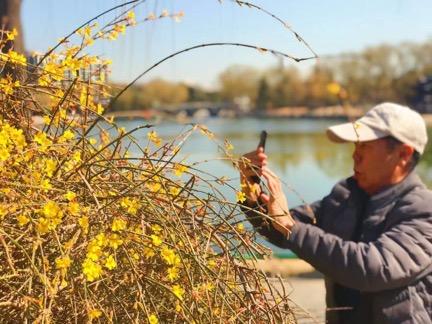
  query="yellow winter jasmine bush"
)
[{"x": 92, "y": 232}]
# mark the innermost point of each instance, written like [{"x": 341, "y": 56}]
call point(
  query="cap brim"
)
[{"x": 353, "y": 132}]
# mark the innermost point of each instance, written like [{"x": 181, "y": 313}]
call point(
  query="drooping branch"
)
[
  {"x": 261, "y": 49},
  {"x": 284, "y": 23}
]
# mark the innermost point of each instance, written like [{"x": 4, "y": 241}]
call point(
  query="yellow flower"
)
[
  {"x": 178, "y": 291},
  {"x": 136, "y": 256},
  {"x": 113, "y": 35},
  {"x": 84, "y": 31},
  {"x": 212, "y": 264},
  {"x": 156, "y": 240},
  {"x": 240, "y": 227},
  {"x": 114, "y": 241},
  {"x": 88, "y": 41},
  {"x": 4, "y": 154},
  {"x": 63, "y": 262},
  {"x": 110, "y": 263},
  {"x": 120, "y": 28},
  {"x": 156, "y": 228},
  {"x": 53, "y": 71},
  {"x": 154, "y": 186},
  {"x": 43, "y": 141},
  {"x": 50, "y": 167},
  {"x": 179, "y": 169},
  {"x": 131, "y": 205},
  {"x": 52, "y": 210},
  {"x": 7, "y": 85},
  {"x": 94, "y": 248},
  {"x": 70, "y": 195},
  {"x": 3, "y": 210},
  {"x": 100, "y": 109},
  {"x": 63, "y": 284},
  {"x": 76, "y": 157},
  {"x": 148, "y": 253},
  {"x": 91, "y": 270},
  {"x": 71, "y": 63},
  {"x": 179, "y": 16},
  {"x": 164, "y": 13},
  {"x": 228, "y": 146},
  {"x": 206, "y": 132},
  {"x": 94, "y": 313},
  {"x": 172, "y": 273},
  {"x": 44, "y": 80},
  {"x": 74, "y": 208},
  {"x": 153, "y": 319},
  {"x": 92, "y": 141},
  {"x": 241, "y": 197},
  {"x": 174, "y": 191},
  {"x": 83, "y": 222},
  {"x": 68, "y": 166},
  {"x": 43, "y": 225},
  {"x": 67, "y": 136},
  {"x": 207, "y": 286},
  {"x": 118, "y": 225},
  {"x": 17, "y": 58},
  {"x": 94, "y": 251},
  {"x": 10, "y": 35},
  {"x": 153, "y": 137},
  {"x": 130, "y": 17},
  {"x": 170, "y": 257},
  {"x": 23, "y": 220},
  {"x": 45, "y": 184}
]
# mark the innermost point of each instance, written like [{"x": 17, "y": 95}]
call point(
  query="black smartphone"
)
[
  {"x": 262, "y": 142},
  {"x": 263, "y": 138}
]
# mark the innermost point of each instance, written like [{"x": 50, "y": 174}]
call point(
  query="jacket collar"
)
[{"x": 393, "y": 192}]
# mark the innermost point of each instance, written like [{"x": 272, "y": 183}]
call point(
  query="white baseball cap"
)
[{"x": 386, "y": 119}]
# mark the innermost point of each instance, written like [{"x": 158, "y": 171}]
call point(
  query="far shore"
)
[{"x": 334, "y": 112}]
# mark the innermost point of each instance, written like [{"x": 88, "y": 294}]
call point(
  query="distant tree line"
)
[{"x": 378, "y": 73}]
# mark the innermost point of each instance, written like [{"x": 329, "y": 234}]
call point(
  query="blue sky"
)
[{"x": 330, "y": 27}]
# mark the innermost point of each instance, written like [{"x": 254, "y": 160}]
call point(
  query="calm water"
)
[{"x": 298, "y": 150}]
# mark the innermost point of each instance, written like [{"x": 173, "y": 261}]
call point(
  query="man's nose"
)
[{"x": 356, "y": 156}]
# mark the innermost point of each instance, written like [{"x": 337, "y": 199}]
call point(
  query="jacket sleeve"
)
[
  {"x": 398, "y": 257},
  {"x": 256, "y": 214}
]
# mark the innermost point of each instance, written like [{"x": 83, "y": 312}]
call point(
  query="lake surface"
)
[{"x": 298, "y": 149}]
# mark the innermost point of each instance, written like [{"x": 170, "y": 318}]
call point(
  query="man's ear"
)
[{"x": 405, "y": 154}]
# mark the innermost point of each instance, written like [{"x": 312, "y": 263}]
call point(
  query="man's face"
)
[{"x": 374, "y": 165}]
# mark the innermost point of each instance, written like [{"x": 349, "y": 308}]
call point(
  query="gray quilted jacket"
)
[{"x": 375, "y": 252}]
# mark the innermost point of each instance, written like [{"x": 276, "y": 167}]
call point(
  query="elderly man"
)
[{"x": 372, "y": 235}]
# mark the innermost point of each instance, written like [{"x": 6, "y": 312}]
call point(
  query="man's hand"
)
[
  {"x": 251, "y": 167},
  {"x": 277, "y": 204}
]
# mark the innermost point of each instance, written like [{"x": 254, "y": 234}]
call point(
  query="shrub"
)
[{"x": 91, "y": 233}]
